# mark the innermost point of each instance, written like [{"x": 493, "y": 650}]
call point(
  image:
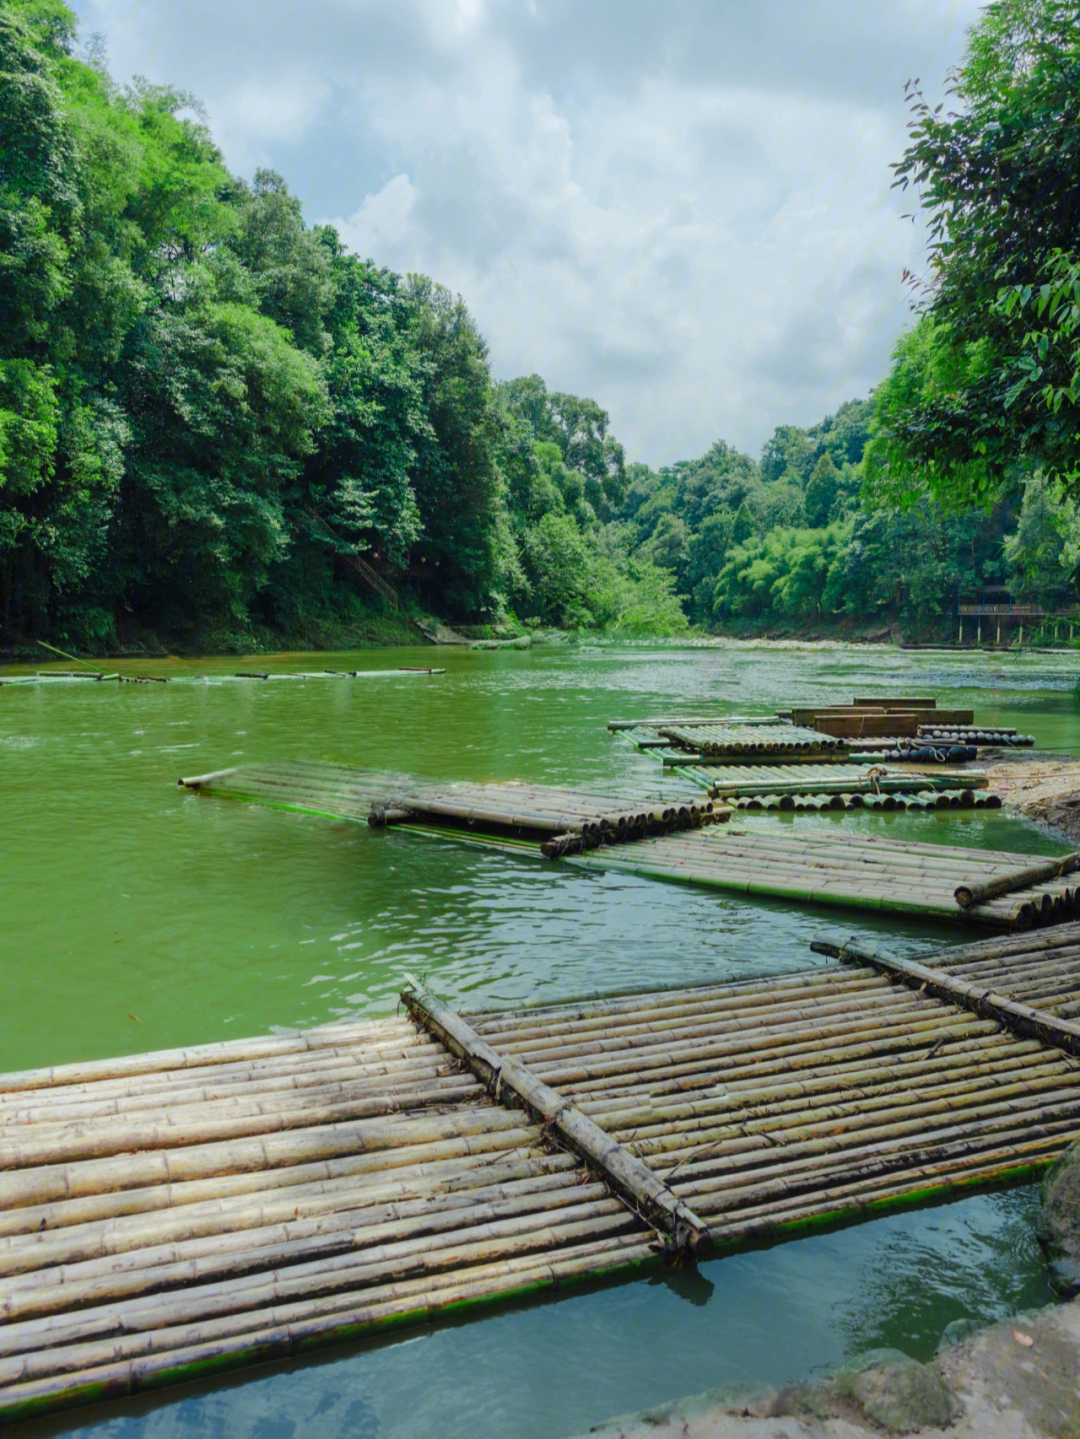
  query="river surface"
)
[{"x": 136, "y": 916}]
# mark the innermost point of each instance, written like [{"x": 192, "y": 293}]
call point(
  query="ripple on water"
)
[{"x": 122, "y": 895}]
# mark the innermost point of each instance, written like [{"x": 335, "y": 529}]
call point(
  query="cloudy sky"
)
[{"x": 679, "y": 207}]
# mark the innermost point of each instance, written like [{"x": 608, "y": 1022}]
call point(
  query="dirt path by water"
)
[{"x": 1044, "y": 789}]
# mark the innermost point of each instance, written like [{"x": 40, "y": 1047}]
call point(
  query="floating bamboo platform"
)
[
  {"x": 570, "y": 819},
  {"x": 679, "y": 840},
  {"x": 734, "y": 781},
  {"x": 716, "y": 740},
  {"x": 172, "y": 1216},
  {"x": 859, "y": 872},
  {"x": 921, "y": 802}
]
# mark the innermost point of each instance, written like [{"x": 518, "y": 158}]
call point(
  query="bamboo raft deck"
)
[
  {"x": 176, "y": 1215},
  {"x": 794, "y": 770},
  {"x": 508, "y": 810},
  {"x": 677, "y": 839},
  {"x": 732, "y": 781}
]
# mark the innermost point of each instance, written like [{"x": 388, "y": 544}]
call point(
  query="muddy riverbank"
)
[{"x": 1040, "y": 787}]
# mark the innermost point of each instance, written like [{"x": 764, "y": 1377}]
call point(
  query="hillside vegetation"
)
[{"x": 207, "y": 404}]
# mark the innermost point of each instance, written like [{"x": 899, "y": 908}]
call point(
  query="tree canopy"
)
[
  {"x": 986, "y": 387},
  {"x": 208, "y": 406}
]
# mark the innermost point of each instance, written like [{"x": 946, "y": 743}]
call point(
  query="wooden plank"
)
[{"x": 894, "y": 702}]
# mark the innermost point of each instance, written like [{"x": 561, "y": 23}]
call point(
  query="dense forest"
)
[{"x": 207, "y": 407}]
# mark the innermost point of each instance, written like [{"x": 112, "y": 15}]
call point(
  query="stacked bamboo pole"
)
[
  {"x": 717, "y": 739},
  {"x": 974, "y": 734},
  {"x": 862, "y": 873},
  {"x": 919, "y": 752},
  {"x": 919, "y": 802},
  {"x": 171, "y": 1216}
]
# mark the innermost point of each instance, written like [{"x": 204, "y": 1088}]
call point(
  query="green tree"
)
[
  {"x": 458, "y": 483},
  {"x": 821, "y": 491},
  {"x": 988, "y": 379}
]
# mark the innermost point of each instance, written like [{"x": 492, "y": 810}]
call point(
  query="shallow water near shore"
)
[{"x": 136, "y": 916}]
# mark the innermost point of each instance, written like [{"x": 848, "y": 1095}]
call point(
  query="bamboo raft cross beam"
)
[
  {"x": 1039, "y": 979},
  {"x": 172, "y": 1216},
  {"x": 652, "y": 1199}
]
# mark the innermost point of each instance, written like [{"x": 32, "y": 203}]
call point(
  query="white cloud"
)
[
  {"x": 383, "y": 221},
  {"x": 684, "y": 212}
]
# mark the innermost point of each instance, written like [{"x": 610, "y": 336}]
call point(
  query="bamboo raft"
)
[
  {"x": 571, "y": 819},
  {"x": 716, "y": 740},
  {"x": 732, "y": 781},
  {"x": 172, "y": 1216},
  {"x": 764, "y": 766},
  {"x": 920, "y": 802},
  {"x": 1017, "y": 892},
  {"x": 678, "y": 840}
]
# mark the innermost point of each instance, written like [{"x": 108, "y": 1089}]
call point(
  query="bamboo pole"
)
[
  {"x": 979, "y": 893},
  {"x": 675, "y": 1127},
  {"x": 1020, "y": 1018},
  {"x": 301, "y": 1042},
  {"x": 442, "y": 1161},
  {"x": 93, "y": 1135},
  {"x": 393, "y": 1140},
  {"x": 626, "y": 1175},
  {"x": 344, "y": 1253},
  {"x": 313, "y": 1077},
  {"x": 369, "y": 1204},
  {"x": 324, "y": 1284}
]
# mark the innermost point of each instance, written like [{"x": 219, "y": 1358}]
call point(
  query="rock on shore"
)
[
  {"x": 1059, "y": 1220},
  {"x": 1017, "y": 1380}
]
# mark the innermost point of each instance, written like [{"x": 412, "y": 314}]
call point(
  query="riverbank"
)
[
  {"x": 1041, "y": 788},
  {"x": 1016, "y": 1380},
  {"x": 391, "y": 630}
]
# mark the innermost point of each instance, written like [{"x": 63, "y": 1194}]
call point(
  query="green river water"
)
[{"x": 136, "y": 916}]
